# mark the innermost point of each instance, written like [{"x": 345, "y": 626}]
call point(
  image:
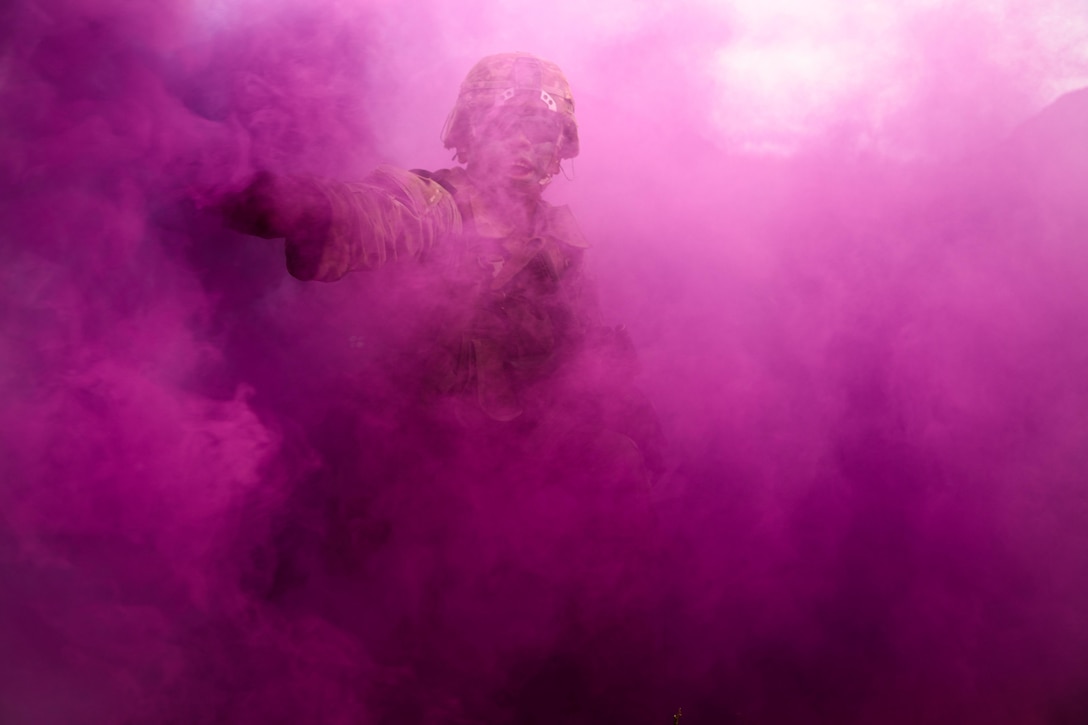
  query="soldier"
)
[
  {"x": 517, "y": 330},
  {"x": 556, "y": 438}
]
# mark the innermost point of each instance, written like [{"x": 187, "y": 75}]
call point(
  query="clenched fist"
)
[{"x": 273, "y": 206}]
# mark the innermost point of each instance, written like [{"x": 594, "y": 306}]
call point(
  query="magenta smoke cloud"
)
[{"x": 847, "y": 241}]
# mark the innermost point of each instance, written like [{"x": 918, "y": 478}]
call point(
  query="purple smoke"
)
[{"x": 848, "y": 247}]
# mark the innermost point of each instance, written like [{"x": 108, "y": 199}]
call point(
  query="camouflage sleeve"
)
[{"x": 391, "y": 215}]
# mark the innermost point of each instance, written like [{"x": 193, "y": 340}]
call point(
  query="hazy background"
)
[{"x": 847, "y": 238}]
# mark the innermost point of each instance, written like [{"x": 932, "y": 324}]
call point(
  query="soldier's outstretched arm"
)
[{"x": 334, "y": 227}]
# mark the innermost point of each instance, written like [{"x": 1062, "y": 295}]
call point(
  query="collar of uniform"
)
[{"x": 551, "y": 222}]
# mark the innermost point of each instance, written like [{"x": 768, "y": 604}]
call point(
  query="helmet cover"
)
[{"x": 509, "y": 79}]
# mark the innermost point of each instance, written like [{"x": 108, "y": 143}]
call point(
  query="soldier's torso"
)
[{"x": 525, "y": 307}]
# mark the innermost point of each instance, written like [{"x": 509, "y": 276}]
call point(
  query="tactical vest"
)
[{"x": 526, "y": 308}]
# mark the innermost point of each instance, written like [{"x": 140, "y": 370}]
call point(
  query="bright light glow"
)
[
  {"x": 787, "y": 73},
  {"x": 794, "y": 71}
]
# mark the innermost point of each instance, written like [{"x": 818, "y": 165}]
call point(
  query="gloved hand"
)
[{"x": 273, "y": 206}]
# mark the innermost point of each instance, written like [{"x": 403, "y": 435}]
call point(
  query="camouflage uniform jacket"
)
[{"x": 516, "y": 305}]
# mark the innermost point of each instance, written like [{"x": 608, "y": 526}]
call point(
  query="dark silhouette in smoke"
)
[
  {"x": 218, "y": 505},
  {"x": 502, "y": 427}
]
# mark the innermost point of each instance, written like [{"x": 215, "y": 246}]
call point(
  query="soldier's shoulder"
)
[
  {"x": 412, "y": 187},
  {"x": 449, "y": 179}
]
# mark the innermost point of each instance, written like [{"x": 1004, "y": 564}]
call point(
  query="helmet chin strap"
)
[{"x": 556, "y": 165}]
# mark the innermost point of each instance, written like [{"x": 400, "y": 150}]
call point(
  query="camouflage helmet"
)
[{"x": 511, "y": 79}]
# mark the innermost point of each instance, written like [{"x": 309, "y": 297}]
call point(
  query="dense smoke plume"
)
[{"x": 847, "y": 241}]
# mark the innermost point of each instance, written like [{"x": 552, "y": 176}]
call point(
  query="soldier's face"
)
[{"x": 517, "y": 146}]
